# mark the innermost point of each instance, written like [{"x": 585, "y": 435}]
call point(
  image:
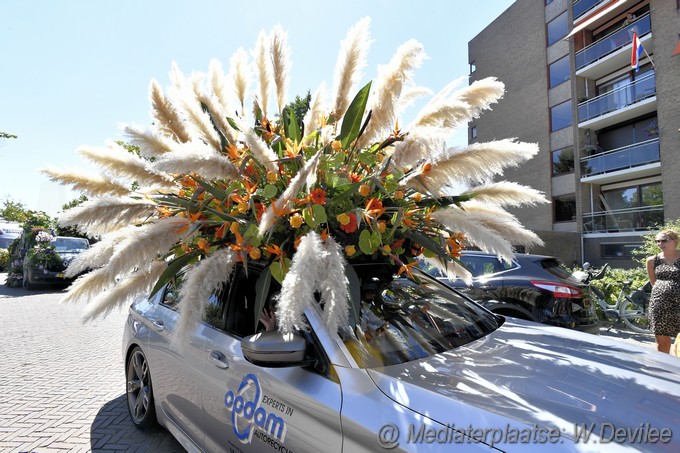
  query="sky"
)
[{"x": 72, "y": 71}]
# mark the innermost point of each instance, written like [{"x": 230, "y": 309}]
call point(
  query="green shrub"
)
[{"x": 4, "y": 260}]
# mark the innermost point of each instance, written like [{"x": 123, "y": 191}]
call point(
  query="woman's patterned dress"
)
[{"x": 664, "y": 305}]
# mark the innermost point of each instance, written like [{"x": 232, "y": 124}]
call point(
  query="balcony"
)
[
  {"x": 622, "y": 220},
  {"x": 581, "y": 7},
  {"x": 630, "y": 160},
  {"x": 613, "y": 51},
  {"x": 626, "y": 102}
]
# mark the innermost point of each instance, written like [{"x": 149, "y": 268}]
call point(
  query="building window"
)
[
  {"x": 473, "y": 132},
  {"x": 473, "y": 67},
  {"x": 558, "y": 28},
  {"x": 563, "y": 161},
  {"x": 560, "y": 116},
  {"x": 559, "y": 71},
  {"x": 565, "y": 208},
  {"x": 618, "y": 250},
  {"x": 547, "y": 2}
]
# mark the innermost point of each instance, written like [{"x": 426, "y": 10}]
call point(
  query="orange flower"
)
[
  {"x": 374, "y": 208},
  {"x": 255, "y": 253},
  {"x": 350, "y": 250},
  {"x": 407, "y": 268},
  {"x": 204, "y": 245},
  {"x": 296, "y": 220},
  {"x": 354, "y": 177},
  {"x": 351, "y": 226},
  {"x": 343, "y": 218},
  {"x": 259, "y": 210},
  {"x": 318, "y": 196},
  {"x": 382, "y": 226},
  {"x": 364, "y": 190}
]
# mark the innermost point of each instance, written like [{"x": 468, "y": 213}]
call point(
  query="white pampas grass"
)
[
  {"x": 263, "y": 72},
  {"x": 99, "y": 254},
  {"x": 506, "y": 193},
  {"x": 149, "y": 142},
  {"x": 451, "y": 269},
  {"x": 314, "y": 116},
  {"x": 481, "y": 94},
  {"x": 477, "y": 162},
  {"x": 350, "y": 63},
  {"x": 316, "y": 267},
  {"x": 280, "y": 54},
  {"x": 475, "y": 231},
  {"x": 502, "y": 222},
  {"x": 294, "y": 186},
  {"x": 146, "y": 243},
  {"x": 92, "y": 185},
  {"x": 197, "y": 121},
  {"x": 199, "y": 158},
  {"x": 333, "y": 287},
  {"x": 165, "y": 116},
  {"x": 101, "y": 215},
  {"x": 200, "y": 282},
  {"x": 241, "y": 74},
  {"x": 391, "y": 80},
  {"x": 124, "y": 292},
  {"x": 258, "y": 147},
  {"x": 217, "y": 83},
  {"x": 216, "y": 116},
  {"x": 88, "y": 286},
  {"x": 118, "y": 160}
]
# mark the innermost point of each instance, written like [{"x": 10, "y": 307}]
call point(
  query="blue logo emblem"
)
[{"x": 247, "y": 411}]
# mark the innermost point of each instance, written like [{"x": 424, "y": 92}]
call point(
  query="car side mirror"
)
[{"x": 274, "y": 349}]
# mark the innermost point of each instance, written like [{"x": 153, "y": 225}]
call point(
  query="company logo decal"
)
[{"x": 247, "y": 412}]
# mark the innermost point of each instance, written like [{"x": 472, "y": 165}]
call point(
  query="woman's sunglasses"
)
[{"x": 659, "y": 241}]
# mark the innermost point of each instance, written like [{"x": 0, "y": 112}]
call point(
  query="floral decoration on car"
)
[{"x": 304, "y": 195}]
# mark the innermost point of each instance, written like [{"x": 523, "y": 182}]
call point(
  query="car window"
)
[
  {"x": 483, "y": 265},
  {"x": 70, "y": 245},
  {"x": 401, "y": 320},
  {"x": 171, "y": 292},
  {"x": 556, "y": 268},
  {"x": 214, "y": 309}
]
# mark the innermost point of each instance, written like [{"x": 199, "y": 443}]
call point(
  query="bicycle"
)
[{"x": 630, "y": 307}]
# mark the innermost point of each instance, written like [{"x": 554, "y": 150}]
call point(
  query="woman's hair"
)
[{"x": 670, "y": 234}]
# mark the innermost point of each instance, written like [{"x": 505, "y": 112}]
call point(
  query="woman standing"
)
[{"x": 664, "y": 274}]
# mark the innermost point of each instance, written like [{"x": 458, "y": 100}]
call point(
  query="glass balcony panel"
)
[
  {"x": 619, "y": 98},
  {"x": 583, "y": 6},
  {"x": 632, "y": 219},
  {"x": 619, "y": 159},
  {"x": 612, "y": 42}
]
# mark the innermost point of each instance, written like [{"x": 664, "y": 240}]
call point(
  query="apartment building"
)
[{"x": 609, "y": 157}]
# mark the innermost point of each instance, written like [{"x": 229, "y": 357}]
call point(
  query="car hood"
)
[{"x": 528, "y": 374}]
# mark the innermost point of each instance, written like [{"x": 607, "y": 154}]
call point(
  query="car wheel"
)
[{"x": 139, "y": 390}]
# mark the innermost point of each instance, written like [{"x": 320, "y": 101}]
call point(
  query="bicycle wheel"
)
[{"x": 634, "y": 315}]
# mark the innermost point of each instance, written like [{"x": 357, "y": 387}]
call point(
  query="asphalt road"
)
[{"x": 62, "y": 384}]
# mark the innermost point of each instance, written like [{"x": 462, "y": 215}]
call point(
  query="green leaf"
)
[
  {"x": 319, "y": 213},
  {"x": 173, "y": 268},
  {"x": 290, "y": 125},
  {"x": 308, "y": 217},
  {"x": 252, "y": 235},
  {"x": 278, "y": 272},
  {"x": 425, "y": 241},
  {"x": 351, "y": 124},
  {"x": 365, "y": 243},
  {"x": 269, "y": 191},
  {"x": 261, "y": 292},
  {"x": 376, "y": 240},
  {"x": 212, "y": 190}
]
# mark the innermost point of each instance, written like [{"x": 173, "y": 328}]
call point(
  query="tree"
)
[
  {"x": 300, "y": 106},
  {"x": 14, "y": 211},
  {"x": 5, "y": 135}
]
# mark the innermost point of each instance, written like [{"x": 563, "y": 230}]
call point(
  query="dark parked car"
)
[{"x": 532, "y": 287}]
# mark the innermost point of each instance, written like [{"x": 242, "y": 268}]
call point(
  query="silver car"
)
[{"x": 422, "y": 368}]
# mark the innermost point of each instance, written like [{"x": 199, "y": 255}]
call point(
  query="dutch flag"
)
[{"x": 637, "y": 51}]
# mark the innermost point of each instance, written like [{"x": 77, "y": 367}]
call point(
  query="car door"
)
[
  {"x": 251, "y": 408},
  {"x": 485, "y": 286},
  {"x": 176, "y": 371}
]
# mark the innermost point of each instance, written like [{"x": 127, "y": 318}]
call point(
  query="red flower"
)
[
  {"x": 351, "y": 227},
  {"x": 318, "y": 196}
]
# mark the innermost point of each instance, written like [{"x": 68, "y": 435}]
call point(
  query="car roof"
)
[{"x": 531, "y": 256}]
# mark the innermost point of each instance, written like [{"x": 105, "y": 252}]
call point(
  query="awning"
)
[{"x": 600, "y": 12}]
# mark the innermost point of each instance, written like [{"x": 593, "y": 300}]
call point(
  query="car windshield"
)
[
  {"x": 401, "y": 320},
  {"x": 70, "y": 245},
  {"x": 556, "y": 268}
]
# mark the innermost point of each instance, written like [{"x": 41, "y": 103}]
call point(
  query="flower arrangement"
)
[{"x": 303, "y": 195}]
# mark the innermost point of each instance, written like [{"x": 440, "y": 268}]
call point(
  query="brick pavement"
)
[{"x": 62, "y": 382}]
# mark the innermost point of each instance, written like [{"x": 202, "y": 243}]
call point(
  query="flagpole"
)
[{"x": 650, "y": 58}]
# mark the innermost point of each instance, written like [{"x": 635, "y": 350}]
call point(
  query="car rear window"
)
[{"x": 556, "y": 268}]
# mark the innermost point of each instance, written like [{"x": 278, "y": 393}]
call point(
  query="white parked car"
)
[{"x": 423, "y": 369}]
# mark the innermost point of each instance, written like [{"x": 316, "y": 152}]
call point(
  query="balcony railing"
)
[
  {"x": 583, "y": 6},
  {"x": 631, "y": 219},
  {"x": 612, "y": 42},
  {"x": 621, "y": 158},
  {"x": 618, "y": 98}
]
